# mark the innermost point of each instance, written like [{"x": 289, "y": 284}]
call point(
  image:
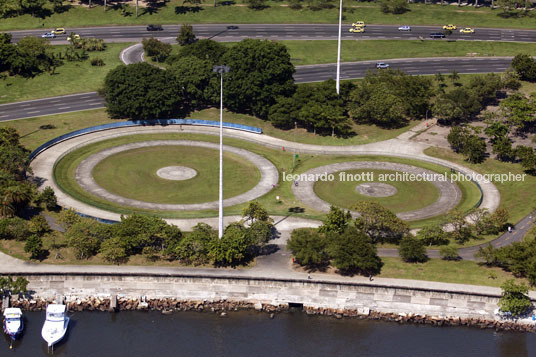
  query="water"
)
[{"x": 254, "y": 334}]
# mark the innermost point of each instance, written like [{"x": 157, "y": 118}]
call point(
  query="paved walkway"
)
[
  {"x": 269, "y": 176},
  {"x": 449, "y": 193},
  {"x": 43, "y": 164}
]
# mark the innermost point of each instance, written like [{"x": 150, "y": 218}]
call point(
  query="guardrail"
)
[{"x": 129, "y": 123}]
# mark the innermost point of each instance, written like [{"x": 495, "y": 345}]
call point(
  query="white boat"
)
[
  {"x": 13, "y": 324},
  {"x": 55, "y": 324}
]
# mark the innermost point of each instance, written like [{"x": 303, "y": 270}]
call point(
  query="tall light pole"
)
[
  {"x": 338, "y": 84},
  {"x": 221, "y": 70}
]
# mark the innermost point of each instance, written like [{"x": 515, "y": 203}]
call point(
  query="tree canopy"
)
[{"x": 141, "y": 91}]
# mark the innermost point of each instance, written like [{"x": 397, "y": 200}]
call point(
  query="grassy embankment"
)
[
  {"x": 69, "y": 78},
  {"x": 176, "y": 12}
]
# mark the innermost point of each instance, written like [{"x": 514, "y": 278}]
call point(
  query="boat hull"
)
[
  {"x": 57, "y": 333},
  {"x": 13, "y": 334}
]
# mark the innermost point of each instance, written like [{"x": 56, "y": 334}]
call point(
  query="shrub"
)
[
  {"x": 515, "y": 298},
  {"x": 449, "y": 252},
  {"x": 412, "y": 250},
  {"x": 96, "y": 61},
  {"x": 309, "y": 247},
  {"x": 48, "y": 198}
]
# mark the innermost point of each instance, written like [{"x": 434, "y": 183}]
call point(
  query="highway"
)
[
  {"x": 220, "y": 32},
  {"x": 312, "y": 73}
]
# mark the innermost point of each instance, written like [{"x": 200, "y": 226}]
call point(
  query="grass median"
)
[
  {"x": 176, "y": 11},
  {"x": 69, "y": 78}
]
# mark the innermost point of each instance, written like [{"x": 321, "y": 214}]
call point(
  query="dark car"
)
[
  {"x": 154, "y": 28},
  {"x": 437, "y": 35}
]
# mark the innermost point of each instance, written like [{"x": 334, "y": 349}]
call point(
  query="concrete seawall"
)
[{"x": 276, "y": 292}]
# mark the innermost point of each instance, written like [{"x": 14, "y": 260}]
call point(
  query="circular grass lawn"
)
[
  {"x": 410, "y": 196},
  {"x": 133, "y": 174}
]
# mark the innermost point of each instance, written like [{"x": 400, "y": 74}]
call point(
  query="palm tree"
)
[{"x": 15, "y": 197}]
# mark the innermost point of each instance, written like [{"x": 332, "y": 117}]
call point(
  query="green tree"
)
[
  {"x": 233, "y": 248},
  {"x": 141, "y": 91},
  {"x": 412, "y": 250},
  {"x": 157, "y": 50},
  {"x": 457, "y": 137},
  {"x": 454, "y": 76},
  {"x": 449, "y": 252},
  {"x": 39, "y": 225},
  {"x": 336, "y": 221},
  {"x": 474, "y": 149},
  {"x": 186, "y": 35},
  {"x": 353, "y": 252},
  {"x": 308, "y": 247},
  {"x": 193, "y": 77},
  {"x": 394, "y": 6},
  {"x": 256, "y": 4},
  {"x": 113, "y": 251},
  {"x": 433, "y": 234},
  {"x": 519, "y": 111},
  {"x": 525, "y": 67},
  {"x": 527, "y": 155},
  {"x": 260, "y": 72},
  {"x": 380, "y": 224},
  {"x": 208, "y": 50},
  {"x": 68, "y": 217},
  {"x": 34, "y": 246},
  {"x": 260, "y": 232},
  {"x": 515, "y": 298},
  {"x": 14, "y": 228},
  {"x": 85, "y": 237},
  {"x": 10, "y": 286},
  {"x": 255, "y": 212},
  {"x": 48, "y": 198},
  {"x": 390, "y": 98},
  {"x": 502, "y": 147},
  {"x": 194, "y": 247},
  {"x": 461, "y": 232}
]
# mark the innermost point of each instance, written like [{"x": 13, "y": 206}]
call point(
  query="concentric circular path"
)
[
  {"x": 449, "y": 193},
  {"x": 84, "y": 176}
]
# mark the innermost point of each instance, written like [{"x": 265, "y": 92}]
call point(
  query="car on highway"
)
[
  {"x": 73, "y": 37},
  {"x": 232, "y": 27},
  {"x": 154, "y": 28},
  {"x": 449, "y": 27},
  {"x": 404, "y": 28},
  {"x": 382, "y": 65},
  {"x": 467, "y": 30},
  {"x": 48, "y": 35},
  {"x": 357, "y": 29},
  {"x": 437, "y": 35},
  {"x": 359, "y": 24},
  {"x": 59, "y": 31}
]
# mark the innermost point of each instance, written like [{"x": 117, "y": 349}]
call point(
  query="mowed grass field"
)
[
  {"x": 71, "y": 77},
  {"x": 176, "y": 11},
  {"x": 519, "y": 198},
  {"x": 410, "y": 195},
  {"x": 132, "y": 174},
  {"x": 316, "y": 52}
]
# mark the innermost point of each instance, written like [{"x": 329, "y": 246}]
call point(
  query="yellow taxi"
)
[
  {"x": 358, "y": 24},
  {"x": 467, "y": 30},
  {"x": 73, "y": 37},
  {"x": 357, "y": 29},
  {"x": 59, "y": 31},
  {"x": 449, "y": 27}
]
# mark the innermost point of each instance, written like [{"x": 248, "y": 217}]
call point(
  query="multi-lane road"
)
[
  {"x": 312, "y": 73},
  {"x": 284, "y": 32}
]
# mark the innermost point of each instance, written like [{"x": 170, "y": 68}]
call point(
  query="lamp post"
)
[
  {"x": 221, "y": 70},
  {"x": 339, "y": 51}
]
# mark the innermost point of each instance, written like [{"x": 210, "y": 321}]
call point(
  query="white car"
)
[
  {"x": 382, "y": 65},
  {"x": 48, "y": 35},
  {"x": 404, "y": 28}
]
